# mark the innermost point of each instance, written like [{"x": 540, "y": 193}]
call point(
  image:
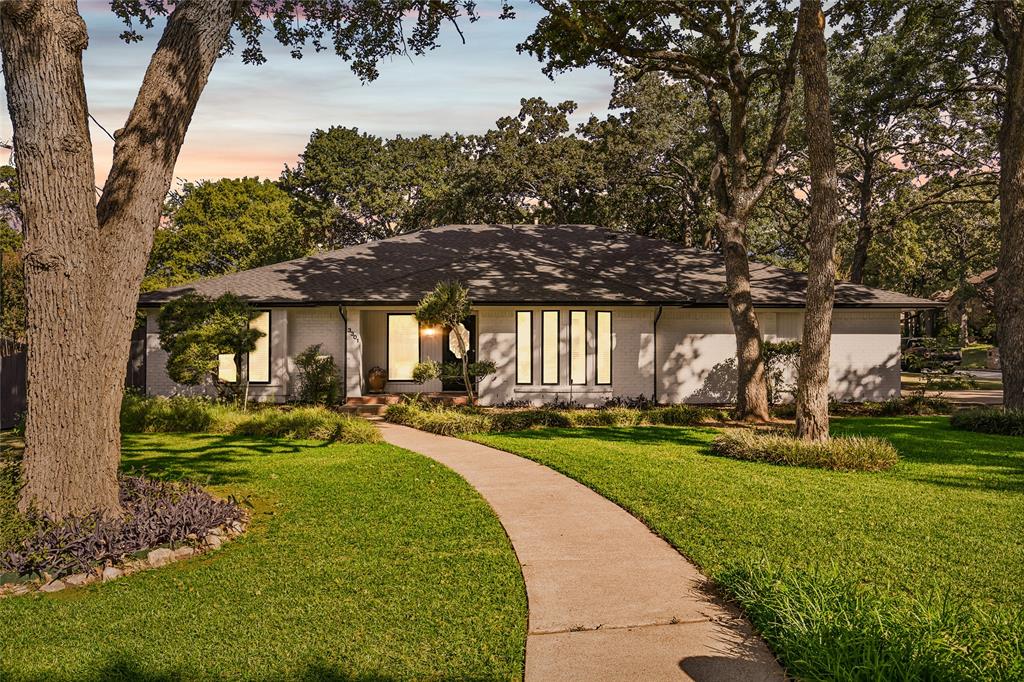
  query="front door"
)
[{"x": 448, "y": 356}]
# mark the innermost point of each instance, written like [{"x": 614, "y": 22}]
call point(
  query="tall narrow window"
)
[
  {"x": 603, "y": 354},
  {"x": 524, "y": 347},
  {"x": 549, "y": 355},
  {"x": 578, "y": 347},
  {"x": 259, "y": 358},
  {"x": 403, "y": 346}
]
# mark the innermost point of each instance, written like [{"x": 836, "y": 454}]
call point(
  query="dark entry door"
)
[{"x": 448, "y": 356}]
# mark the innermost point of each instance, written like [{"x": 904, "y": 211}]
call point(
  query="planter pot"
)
[{"x": 375, "y": 379}]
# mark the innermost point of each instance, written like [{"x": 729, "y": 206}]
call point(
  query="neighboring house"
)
[
  {"x": 566, "y": 312},
  {"x": 970, "y": 306}
]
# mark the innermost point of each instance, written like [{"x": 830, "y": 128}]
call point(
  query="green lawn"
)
[
  {"x": 363, "y": 562},
  {"x": 974, "y": 356},
  {"x": 915, "y": 573}
]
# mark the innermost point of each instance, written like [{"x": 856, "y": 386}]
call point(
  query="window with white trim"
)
[
  {"x": 524, "y": 347},
  {"x": 603, "y": 347},
  {"x": 550, "y": 352},
  {"x": 403, "y": 346},
  {"x": 578, "y": 347}
]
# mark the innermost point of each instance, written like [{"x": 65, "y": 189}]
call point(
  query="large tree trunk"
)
[
  {"x": 84, "y": 262},
  {"x": 752, "y": 386},
  {"x": 865, "y": 230},
  {"x": 1010, "y": 286},
  {"x": 812, "y": 386}
]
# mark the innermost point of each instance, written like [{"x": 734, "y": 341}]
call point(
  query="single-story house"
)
[{"x": 565, "y": 312}]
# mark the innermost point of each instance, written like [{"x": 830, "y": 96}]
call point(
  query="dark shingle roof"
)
[{"x": 522, "y": 264}]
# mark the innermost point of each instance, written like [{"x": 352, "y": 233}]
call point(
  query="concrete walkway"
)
[{"x": 608, "y": 599}]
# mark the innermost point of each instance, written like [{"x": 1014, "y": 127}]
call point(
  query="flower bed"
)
[{"x": 162, "y": 522}]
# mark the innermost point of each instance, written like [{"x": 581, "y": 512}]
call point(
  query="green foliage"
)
[
  {"x": 432, "y": 369},
  {"x": 308, "y": 423},
  {"x": 196, "y": 329},
  {"x": 780, "y": 358},
  {"x": 990, "y": 420},
  {"x": 447, "y": 306},
  {"x": 888, "y": 533},
  {"x": 12, "y": 287},
  {"x": 345, "y": 542},
  {"x": 836, "y": 628},
  {"x": 223, "y": 226},
  {"x": 181, "y": 414},
  {"x": 12, "y": 525},
  {"x": 451, "y": 421},
  {"x": 440, "y": 420},
  {"x": 319, "y": 382},
  {"x": 843, "y": 453}
]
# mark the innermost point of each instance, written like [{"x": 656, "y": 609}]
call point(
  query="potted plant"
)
[{"x": 376, "y": 378}]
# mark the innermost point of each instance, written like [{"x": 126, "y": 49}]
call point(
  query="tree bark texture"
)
[
  {"x": 1010, "y": 286},
  {"x": 865, "y": 229},
  {"x": 752, "y": 384},
  {"x": 812, "y": 385},
  {"x": 85, "y": 261}
]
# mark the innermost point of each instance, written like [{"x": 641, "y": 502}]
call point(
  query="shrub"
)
[
  {"x": 155, "y": 513},
  {"x": 610, "y": 416},
  {"x": 308, "y": 423},
  {"x": 441, "y": 420},
  {"x": 843, "y": 453},
  {"x": 683, "y": 415},
  {"x": 200, "y": 415},
  {"x": 990, "y": 420},
  {"x": 639, "y": 402},
  {"x": 318, "y": 377},
  {"x": 183, "y": 414},
  {"x": 521, "y": 420}
]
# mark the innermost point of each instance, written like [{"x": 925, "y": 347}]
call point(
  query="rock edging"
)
[{"x": 158, "y": 557}]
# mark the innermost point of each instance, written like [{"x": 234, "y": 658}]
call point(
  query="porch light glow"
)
[{"x": 429, "y": 331}]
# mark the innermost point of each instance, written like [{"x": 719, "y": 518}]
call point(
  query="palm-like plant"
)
[{"x": 448, "y": 305}]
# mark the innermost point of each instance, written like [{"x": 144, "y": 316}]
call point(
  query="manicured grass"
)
[
  {"x": 363, "y": 562},
  {"x": 912, "y": 573}
]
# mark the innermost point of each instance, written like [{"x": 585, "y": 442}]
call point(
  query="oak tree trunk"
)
[
  {"x": 752, "y": 385},
  {"x": 812, "y": 385},
  {"x": 1010, "y": 286},
  {"x": 85, "y": 261},
  {"x": 865, "y": 230}
]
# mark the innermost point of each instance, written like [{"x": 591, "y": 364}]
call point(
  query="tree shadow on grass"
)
[
  {"x": 969, "y": 460},
  {"x": 121, "y": 666},
  {"x": 218, "y": 459}
]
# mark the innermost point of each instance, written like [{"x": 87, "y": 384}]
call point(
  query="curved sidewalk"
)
[{"x": 608, "y": 599}]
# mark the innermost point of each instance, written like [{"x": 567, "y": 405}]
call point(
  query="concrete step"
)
[{"x": 375, "y": 399}]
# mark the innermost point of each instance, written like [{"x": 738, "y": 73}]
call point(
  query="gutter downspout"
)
[
  {"x": 344, "y": 352},
  {"x": 654, "y": 393}
]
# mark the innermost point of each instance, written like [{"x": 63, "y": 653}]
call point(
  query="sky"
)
[{"x": 252, "y": 120}]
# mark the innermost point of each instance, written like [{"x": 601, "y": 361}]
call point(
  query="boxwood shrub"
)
[
  {"x": 990, "y": 420},
  {"x": 843, "y": 453}
]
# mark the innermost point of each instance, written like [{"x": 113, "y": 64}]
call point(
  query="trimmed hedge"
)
[
  {"x": 842, "y": 453},
  {"x": 181, "y": 414},
  {"x": 455, "y": 421},
  {"x": 990, "y": 420}
]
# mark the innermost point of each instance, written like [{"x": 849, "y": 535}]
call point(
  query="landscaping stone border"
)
[{"x": 157, "y": 557}]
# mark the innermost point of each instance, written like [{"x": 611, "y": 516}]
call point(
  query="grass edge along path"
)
[
  {"x": 915, "y": 573},
  {"x": 362, "y": 562}
]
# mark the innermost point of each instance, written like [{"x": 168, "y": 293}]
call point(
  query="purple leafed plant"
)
[{"x": 155, "y": 513}]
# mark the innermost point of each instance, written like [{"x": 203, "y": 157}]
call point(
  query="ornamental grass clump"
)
[
  {"x": 156, "y": 513},
  {"x": 307, "y": 423},
  {"x": 440, "y": 420},
  {"x": 841, "y": 453},
  {"x": 990, "y": 420},
  {"x": 182, "y": 414}
]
